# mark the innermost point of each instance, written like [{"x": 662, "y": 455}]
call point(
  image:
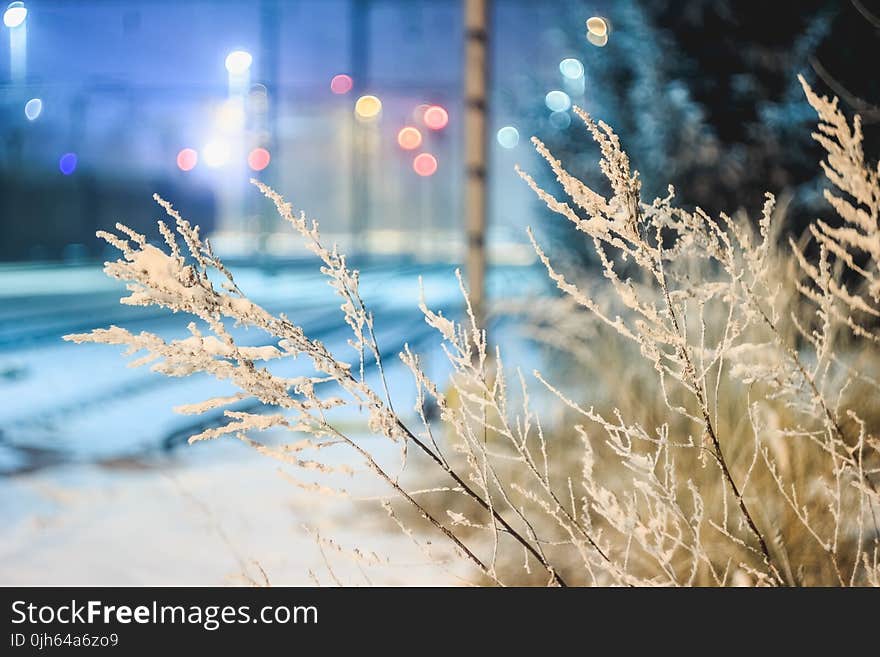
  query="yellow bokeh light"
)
[
  {"x": 597, "y": 26},
  {"x": 368, "y": 107}
]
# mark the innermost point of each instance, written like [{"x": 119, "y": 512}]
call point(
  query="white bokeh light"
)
[
  {"x": 238, "y": 62},
  {"x": 33, "y": 108},
  {"x": 15, "y": 14},
  {"x": 216, "y": 153}
]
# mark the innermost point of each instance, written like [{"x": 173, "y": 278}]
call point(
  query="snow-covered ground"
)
[
  {"x": 97, "y": 485},
  {"x": 222, "y": 516}
]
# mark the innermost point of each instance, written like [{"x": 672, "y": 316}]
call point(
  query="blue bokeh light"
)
[
  {"x": 560, "y": 120},
  {"x": 67, "y": 163}
]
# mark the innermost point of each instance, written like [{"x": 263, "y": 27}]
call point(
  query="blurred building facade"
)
[
  {"x": 136, "y": 98},
  {"x": 104, "y": 102}
]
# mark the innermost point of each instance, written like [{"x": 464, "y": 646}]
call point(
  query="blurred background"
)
[{"x": 355, "y": 111}]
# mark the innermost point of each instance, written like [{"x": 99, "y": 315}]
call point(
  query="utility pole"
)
[
  {"x": 270, "y": 53},
  {"x": 476, "y": 75},
  {"x": 359, "y": 68}
]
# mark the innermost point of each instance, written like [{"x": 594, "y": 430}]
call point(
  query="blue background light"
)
[{"x": 67, "y": 163}]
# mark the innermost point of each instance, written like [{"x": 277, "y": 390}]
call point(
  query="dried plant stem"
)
[
  {"x": 697, "y": 297},
  {"x": 347, "y": 287},
  {"x": 522, "y": 540},
  {"x": 371, "y": 462},
  {"x": 710, "y": 429},
  {"x": 476, "y": 497},
  {"x": 722, "y": 463},
  {"x": 818, "y": 396}
]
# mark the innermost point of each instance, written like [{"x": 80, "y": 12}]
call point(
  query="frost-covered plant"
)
[{"x": 759, "y": 466}]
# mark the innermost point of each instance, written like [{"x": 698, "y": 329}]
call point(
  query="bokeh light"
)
[
  {"x": 216, "y": 153},
  {"x": 367, "y": 107},
  {"x": 419, "y": 112},
  {"x": 560, "y": 120},
  {"x": 33, "y": 108},
  {"x": 557, "y": 101},
  {"x": 67, "y": 163},
  {"x": 574, "y": 87},
  {"x": 571, "y": 68},
  {"x": 597, "y": 26},
  {"x": 508, "y": 136},
  {"x": 15, "y": 14},
  {"x": 425, "y": 164},
  {"x": 341, "y": 84},
  {"x": 258, "y": 159},
  {"x": 238, "y": 62},
  {"x": 598, "y": 41},
  {"x": 409, "y": 138},
  {"x": 258, "y": 99},
  {"x": 231, "y": 115},
  {"x": 187, "y": 159},
  {"x": 436, "y": 117}
]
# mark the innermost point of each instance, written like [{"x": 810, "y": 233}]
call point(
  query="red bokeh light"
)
[
  {"x": 341, "y": 84},
  {"x": 258, "y": 159},
  {"x": 425, "y": 164},
  {"x": 409, "y": 138},
  {"x": 187, "y": 159},
  {"x": 436, "y": 117}
]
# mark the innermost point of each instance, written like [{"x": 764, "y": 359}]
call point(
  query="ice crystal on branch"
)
[{"x": 740, "y": 447}]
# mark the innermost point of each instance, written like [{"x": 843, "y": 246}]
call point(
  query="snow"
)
[
  {"x": 207, "y": 521},
  {"x": 97, "y": 485}
]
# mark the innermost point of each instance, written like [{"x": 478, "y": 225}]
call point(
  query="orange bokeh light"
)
[{"x": 409, "y": 138}]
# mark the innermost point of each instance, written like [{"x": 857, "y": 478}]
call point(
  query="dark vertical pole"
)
[
  {"x": 270, "y": 49},
  {"x": 270, "y": 54},
  {"x": 476, "y": 84}
]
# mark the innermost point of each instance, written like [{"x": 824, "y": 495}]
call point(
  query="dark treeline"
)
[{"x": 704, "y": 95}]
